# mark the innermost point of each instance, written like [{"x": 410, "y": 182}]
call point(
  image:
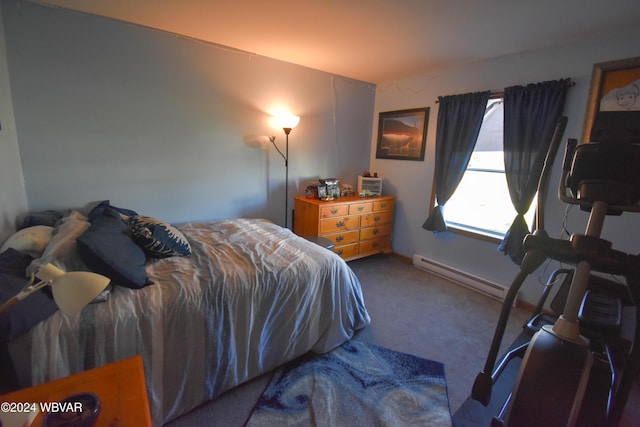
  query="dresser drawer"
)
[
  {"x": 360, "y": 208},
  {"x": 343, "y": 238},
  {"x": 376, "y": 245},
  {"x": 383, "y": 205},
  {"x": 375, "y": 232},
  {"x": 357, "y": 226},
  {"x": 347, "y": 251},
  {"x": 333, "y": 225},
  {"x": 334, "y": 211},
  {"x": 375, "y": 218}
]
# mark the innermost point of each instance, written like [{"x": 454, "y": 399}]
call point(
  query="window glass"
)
[{"x": 481, "y": 203}]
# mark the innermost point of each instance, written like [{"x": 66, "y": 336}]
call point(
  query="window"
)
[{"x": 481, "y": 204}]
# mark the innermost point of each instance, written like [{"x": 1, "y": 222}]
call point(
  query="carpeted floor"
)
[
  {"x": 357, "y": 384},
  {"x": 412, "y": 312}
]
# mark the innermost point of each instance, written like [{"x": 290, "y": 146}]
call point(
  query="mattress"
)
[{"x": 251, "y": 296}]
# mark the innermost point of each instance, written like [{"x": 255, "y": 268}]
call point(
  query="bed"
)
[{"x": 248, "y": 297}]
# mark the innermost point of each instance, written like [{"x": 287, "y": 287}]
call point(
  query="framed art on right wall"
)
[{"x": 613, "y": 108}]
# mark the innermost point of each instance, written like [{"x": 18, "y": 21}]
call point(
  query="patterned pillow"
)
[{"x": 157, "y": 238}]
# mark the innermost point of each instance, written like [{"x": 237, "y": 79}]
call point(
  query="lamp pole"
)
[
  {"x": 287, "y": 123},
  {"x": 286, "y": 178},
  {"x": 285, "y": 156}
]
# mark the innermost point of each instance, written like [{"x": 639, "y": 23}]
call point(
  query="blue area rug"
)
[{"x": 357, "y": 384}]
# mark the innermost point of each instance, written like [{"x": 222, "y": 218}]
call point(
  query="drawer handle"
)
[
  {"x": 375, "y": 244},
  {"x": 383, "y": 205},
  {"x": 360, "y": 208},
  {"x": 339, "y": 238},
  {"x": 340, "y": 224},
  {"x": 334, "y": 211},
  {"x": 377, "y": 218},
  {"x": 376, "y": 231},
  {"x": 339, "y": 252}
]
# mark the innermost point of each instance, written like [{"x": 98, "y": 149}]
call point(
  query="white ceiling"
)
[{"x": 374, "y": 40}]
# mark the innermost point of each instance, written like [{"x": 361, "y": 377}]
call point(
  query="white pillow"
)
[
  {"x": 62, "y": 250},
  {"x": 32, "y": 240}
]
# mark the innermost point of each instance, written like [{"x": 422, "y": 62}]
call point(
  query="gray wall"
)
[
  {"x": 13, "y": 199},
  {"x": 412, "y": 182},
  {"x": 166, "y": 125}
]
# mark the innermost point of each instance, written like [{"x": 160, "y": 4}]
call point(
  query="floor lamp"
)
[
  {"x": 286, "y": 123},
  {"x": 71, "y": 291}
]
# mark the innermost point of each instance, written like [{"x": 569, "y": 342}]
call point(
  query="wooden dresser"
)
[
  {"x": 120, "y": 386},
  {"x": 358, "y": 227}
]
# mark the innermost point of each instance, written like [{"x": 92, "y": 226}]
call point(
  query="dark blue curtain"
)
[
  {"x": 530, "y": 116},
  {"x": 459, "y": 121}
]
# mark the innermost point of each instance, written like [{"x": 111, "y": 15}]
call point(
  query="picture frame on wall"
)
[
  {"x": 613, "y": 107},
  {"x": 402, "y": 134}
]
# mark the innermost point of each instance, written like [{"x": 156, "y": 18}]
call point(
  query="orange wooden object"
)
[
  {"x": 120, "y": 386},
  {"x": 357, "y": 226}
]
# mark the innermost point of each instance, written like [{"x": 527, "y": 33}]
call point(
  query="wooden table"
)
[{"x": 119, "y": 385}]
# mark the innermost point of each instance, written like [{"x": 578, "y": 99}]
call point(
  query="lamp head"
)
[
  {"x": 74, "y": 290},
  {"x": 287, "y": 122}
]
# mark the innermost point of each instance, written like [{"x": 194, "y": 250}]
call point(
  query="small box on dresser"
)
[
  {"x": 372, "y": 185},
  {"x": 358, "y": 227}
]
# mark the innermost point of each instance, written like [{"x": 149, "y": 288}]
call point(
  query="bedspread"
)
[{"x": 251, "y": 296}]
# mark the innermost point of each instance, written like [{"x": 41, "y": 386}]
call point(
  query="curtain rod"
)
[{"x": 500, "y": 94}]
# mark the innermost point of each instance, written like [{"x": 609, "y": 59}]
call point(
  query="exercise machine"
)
[{"x": 576, "y": 353}]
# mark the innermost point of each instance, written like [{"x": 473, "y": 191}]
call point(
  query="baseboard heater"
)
[{"x": 455, "y": 275}]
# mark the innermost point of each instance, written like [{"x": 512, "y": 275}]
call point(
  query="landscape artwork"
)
[{"x": 402, "y": 134}]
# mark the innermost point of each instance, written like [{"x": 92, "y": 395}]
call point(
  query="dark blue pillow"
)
[
  {"x": 157, "y": 238},
  {"x": 48, "y": 218},
  {"x": 107, "y": 248},
  {"x": 105, "y": 205},
  {"x": 25, "y": 314}
]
